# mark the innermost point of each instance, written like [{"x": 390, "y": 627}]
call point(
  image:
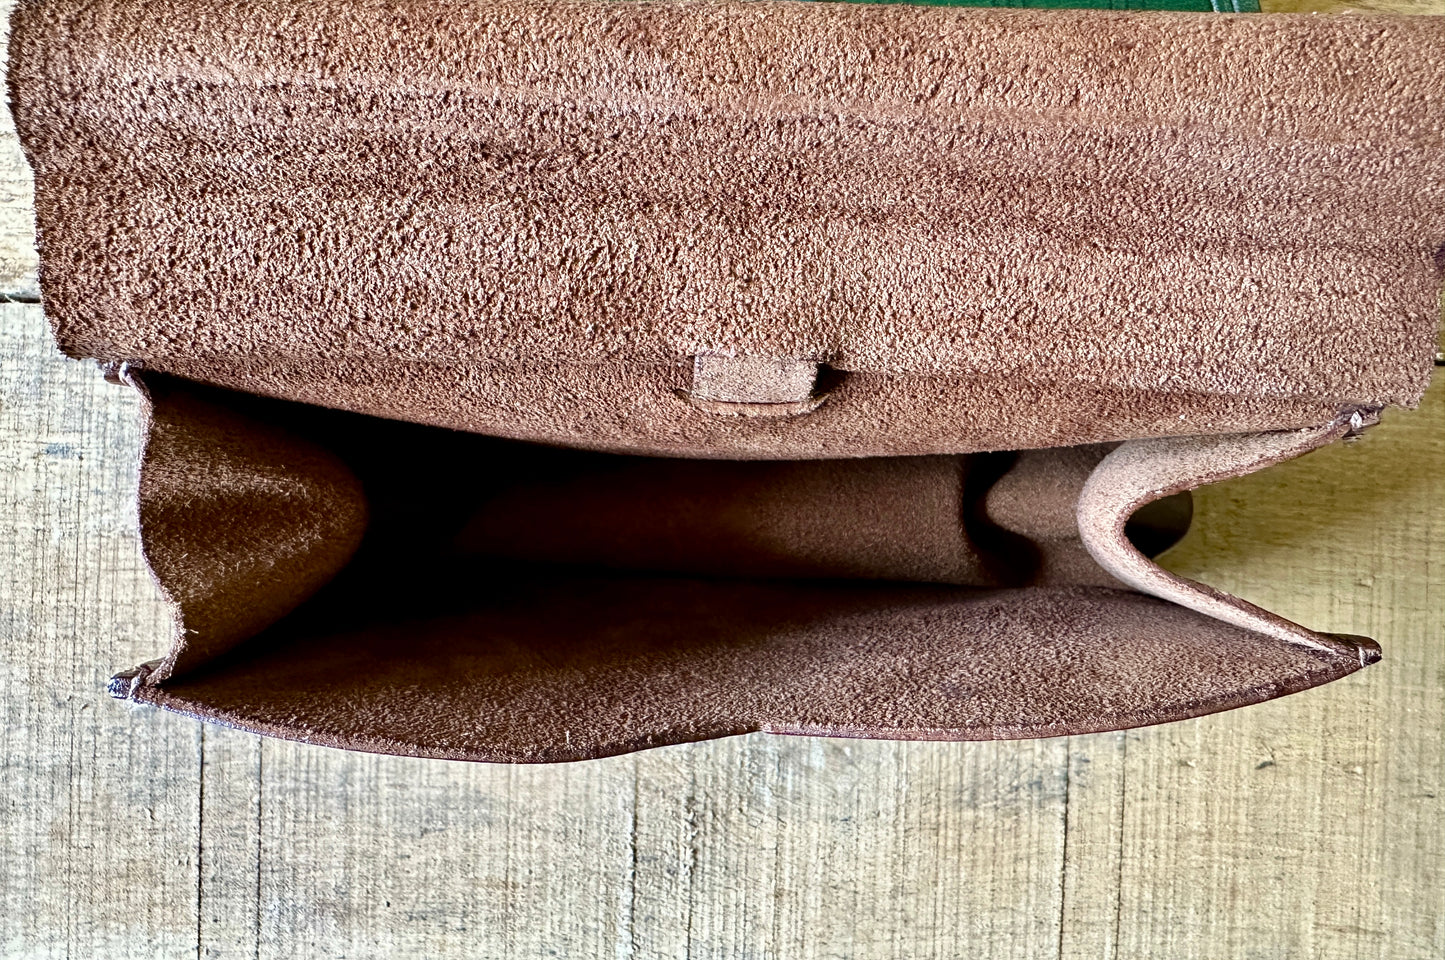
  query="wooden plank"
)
[
  {"x": 374, "y": 856},
  {"x": 99, "y": 799},
  {"x": 19, "y": 263},
  {"x": 1093, "y": 871},
  {"x": 229, "y": 853},
  {"x": 805, "y": 847}
]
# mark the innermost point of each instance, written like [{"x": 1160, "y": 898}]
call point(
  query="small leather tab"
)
[{"x": 753, "y": 386}]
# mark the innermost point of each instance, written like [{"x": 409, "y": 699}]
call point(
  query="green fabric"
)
[{"x": 1198, "y": 6}]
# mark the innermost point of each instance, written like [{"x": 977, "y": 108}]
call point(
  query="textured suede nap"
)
[
  {"x": 1005, "y": 229},
  {"x": 940, "y": 311}
]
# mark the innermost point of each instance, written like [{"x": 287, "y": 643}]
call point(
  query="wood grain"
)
[
  {"x": 19, "y": 263},
  {"x": 1307, "y": 827},
  {"x": 100, "y": 804}
]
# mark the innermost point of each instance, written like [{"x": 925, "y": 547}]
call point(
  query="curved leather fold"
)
[
  {"x": 1142, "y": 471},
  {"x": 240, "y": 520}
]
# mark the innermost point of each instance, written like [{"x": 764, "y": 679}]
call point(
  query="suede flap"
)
[{"x": 985, "y": 229}]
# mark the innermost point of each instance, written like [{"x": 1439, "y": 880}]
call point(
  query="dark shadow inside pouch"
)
[{"x": 384, "y": 586}]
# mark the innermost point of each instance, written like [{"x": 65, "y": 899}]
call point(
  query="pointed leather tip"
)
[{"x": 1370, "y": 651}]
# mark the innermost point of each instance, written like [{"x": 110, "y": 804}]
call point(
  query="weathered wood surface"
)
[{"x": 1310, "y": 827}]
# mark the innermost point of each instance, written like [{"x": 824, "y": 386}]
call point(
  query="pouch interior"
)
[{"x": 387, "y": 586}]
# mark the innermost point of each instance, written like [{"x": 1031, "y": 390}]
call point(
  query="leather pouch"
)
[{"x": 535, "y": 381}]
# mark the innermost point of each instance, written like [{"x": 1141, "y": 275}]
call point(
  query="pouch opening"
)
[{"x": 506, "y": 601}]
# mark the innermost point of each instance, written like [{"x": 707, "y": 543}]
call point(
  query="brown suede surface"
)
[
  {"x": 621, "y": 407},
  {"x": 727, "y": 231},
  {"x": 567, "y": 669},
  {"x": 1016, "y": 228},
  {"x": 240, "y": 520},
  {"x": 892, "y": 519},
  {"x": 981, "y": 520},
  {"x": 1142, "y": 471}
]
